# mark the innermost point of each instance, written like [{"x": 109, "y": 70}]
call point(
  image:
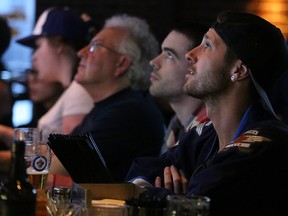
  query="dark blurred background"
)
[{"x": 160, "y": 14}]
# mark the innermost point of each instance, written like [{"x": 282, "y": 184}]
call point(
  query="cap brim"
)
[
  {"x": 28, "y": 41},
  {"x": 264, "y": 98}
]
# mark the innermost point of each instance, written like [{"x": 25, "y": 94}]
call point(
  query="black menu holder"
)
[{"x": 81, "y": 157}]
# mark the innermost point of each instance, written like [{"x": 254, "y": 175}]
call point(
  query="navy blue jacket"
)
[
  {"x": 248, "y": 177},
  {"x": 193, "y": 147},
  {"x": 125, "y": 126}
]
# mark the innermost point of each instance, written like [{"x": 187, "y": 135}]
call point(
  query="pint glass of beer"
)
[{"x": 37, "y": 155}]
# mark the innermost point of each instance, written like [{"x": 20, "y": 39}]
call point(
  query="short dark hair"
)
[{"x": 193, "y": 30}]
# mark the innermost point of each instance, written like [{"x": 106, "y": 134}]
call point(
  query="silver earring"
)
[{"x": 233, "y": 78}]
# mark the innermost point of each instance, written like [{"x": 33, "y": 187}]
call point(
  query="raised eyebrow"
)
[
  {"x": 206, "y": 37},
  {"x": 96, "y": 41},
  {"x": 167, "y": 49},
  {"x": 210, "y": 38}
]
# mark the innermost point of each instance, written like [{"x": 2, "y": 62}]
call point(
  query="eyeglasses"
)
[{"x": 96, "y": 44}]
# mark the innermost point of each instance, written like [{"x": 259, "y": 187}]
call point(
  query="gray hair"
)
[{"x": 141, "y": 45}]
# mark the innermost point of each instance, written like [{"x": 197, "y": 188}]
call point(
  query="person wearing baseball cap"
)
[
  {"x": 240, "y": 58},
  {"x": 58, "y": 22},
  {"x": 58, "y": 35},
  {"x": 246, "y": 55}
]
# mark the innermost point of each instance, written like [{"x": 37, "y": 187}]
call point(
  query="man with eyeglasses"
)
[{"x": 114, "y": 68}]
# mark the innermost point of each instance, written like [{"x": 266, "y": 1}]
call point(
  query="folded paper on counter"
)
[{"x": 117, "y": 191}]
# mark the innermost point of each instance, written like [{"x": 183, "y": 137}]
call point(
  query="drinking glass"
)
[
  {"x": 37, "y": 155},
  {"x": 60, "y": 203}
]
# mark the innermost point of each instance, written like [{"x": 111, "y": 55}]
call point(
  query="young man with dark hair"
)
[{"x": 231, "y": 70}]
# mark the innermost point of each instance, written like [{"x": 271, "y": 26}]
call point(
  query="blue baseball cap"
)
[{"x": 58, "y": 22}]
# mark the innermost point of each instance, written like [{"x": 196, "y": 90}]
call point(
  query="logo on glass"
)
[{"x": 39, "y": 163}]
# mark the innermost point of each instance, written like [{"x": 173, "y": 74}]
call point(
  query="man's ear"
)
[
  {"x": 123, "y": 64},
  {"x": 239, "y": 71},
  {"x": 244, "y": 71}
]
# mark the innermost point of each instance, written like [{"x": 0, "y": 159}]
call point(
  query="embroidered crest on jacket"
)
[{"x": 247, "y": 139}]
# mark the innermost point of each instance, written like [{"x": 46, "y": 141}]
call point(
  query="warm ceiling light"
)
[{"x": 275, "y": 11}]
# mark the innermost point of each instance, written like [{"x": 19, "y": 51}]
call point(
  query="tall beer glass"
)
[{"x": 37, "y": 155}]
